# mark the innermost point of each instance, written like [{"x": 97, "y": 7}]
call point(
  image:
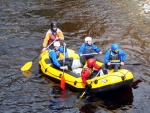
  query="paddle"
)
[
  {"x": 129, "y": 63},
  {"x": 92, "y": 54},
  {"x": 28, "y": 65},
  {"x": 62, "y": 82},
  {"x": 88, "y": 87}
]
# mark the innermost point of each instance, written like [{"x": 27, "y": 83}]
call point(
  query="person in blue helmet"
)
[
  {"x": 114, "y": 58},
  {"x": 88, "y": 48},
  {"x": 55, "y": 57}
]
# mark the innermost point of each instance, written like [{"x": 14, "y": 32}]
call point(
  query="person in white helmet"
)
[
  {"x": 55, "y": 54},
  {"x": 88, "y": 48}
]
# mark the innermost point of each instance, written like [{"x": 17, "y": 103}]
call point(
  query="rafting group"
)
[{"x": 81, "y": 70}]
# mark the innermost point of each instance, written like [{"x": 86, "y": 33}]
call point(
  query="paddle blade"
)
[
  {"x": 27, "y": 66},
  {"x": 62, "y": 82},
  {"x": 134, "y": 64}
]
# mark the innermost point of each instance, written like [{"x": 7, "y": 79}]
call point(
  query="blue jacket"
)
[
  {"x": 53, "y": 55},
  {"x": 122, "y": 54},
  {"x": 85, "y": 46}
]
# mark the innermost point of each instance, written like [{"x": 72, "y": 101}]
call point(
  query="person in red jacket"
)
[{"x": 88, "y": 69}]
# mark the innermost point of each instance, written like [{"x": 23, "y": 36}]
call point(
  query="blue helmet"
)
[{"x": 114, "y": 47}]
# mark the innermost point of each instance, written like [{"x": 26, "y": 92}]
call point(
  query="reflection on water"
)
[
  {"x": 113, "y": 100},
  {"x": 27, "y": 73},
  {"x": 88, "y": 108},
  {"x": 60, "y": 100},
  {"x": 135, "y": 84}
]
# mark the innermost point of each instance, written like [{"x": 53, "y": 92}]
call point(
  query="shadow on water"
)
[
  {"x": 113, "y": 100},
  {"x": 120, "y": 99}
]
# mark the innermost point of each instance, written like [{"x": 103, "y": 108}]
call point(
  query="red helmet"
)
[{"x": 91, "y": 62}]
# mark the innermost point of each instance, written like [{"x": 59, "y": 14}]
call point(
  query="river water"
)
[{"x": 23, "y": 24}]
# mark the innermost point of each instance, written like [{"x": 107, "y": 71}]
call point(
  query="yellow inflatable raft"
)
[{"x": 110, "y": 81}]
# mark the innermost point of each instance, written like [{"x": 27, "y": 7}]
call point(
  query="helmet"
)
[
  {"x": 91, "y": 62},
  {"x": 88, "y": 39},
  {"x": 114, "y": 47},
  {"x": 53, "y": 24},
  {"x": 56, "y": 43}
]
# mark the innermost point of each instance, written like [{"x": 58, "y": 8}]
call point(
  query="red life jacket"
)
[
  {"x": 86, "y": 72},
  {"x": 85, "y": 68},
  {"x": 53, "y": 37}
]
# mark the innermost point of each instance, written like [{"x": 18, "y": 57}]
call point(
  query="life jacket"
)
[
  {"x": 53, "y": 36},
  {"x": 86, "y": 68},
  {"x": 114, "y": 58},
  {"x": 57, "y": 53},
  {"x": 88, "y": 50}
]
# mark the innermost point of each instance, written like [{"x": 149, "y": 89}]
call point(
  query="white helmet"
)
[
  {"x": 88, "y": 39},
  {"x": 57, "y": 43}
]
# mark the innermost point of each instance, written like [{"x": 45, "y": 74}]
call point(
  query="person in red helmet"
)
[{"x": 88, "y": 69}]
